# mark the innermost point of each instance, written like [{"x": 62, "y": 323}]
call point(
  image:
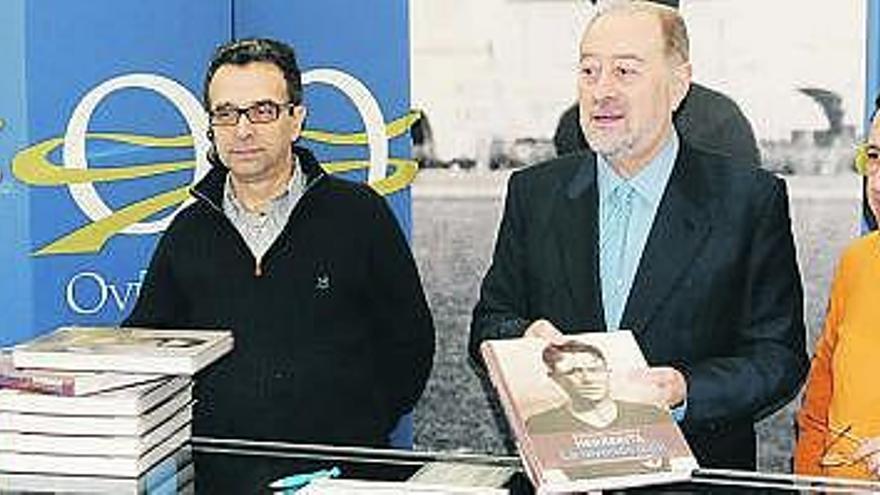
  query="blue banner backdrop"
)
[
  {"x": 369, "y": 43},
  {"x": 872, "y": 84},
  {"x": 102, "y": 132},
  {"x": 872, "y": 59},
  {"x": 15, "y": 270}
]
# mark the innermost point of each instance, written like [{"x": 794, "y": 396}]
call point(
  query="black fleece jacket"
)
[{"x": 333, "y": 337}]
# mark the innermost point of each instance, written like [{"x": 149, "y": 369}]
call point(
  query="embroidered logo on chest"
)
[{"x": 322, "y": 282}]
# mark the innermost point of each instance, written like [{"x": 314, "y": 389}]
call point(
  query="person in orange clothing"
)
[{"x": 839, "y": 420}]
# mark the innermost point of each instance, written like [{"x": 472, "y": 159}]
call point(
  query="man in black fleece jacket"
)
[{"x": 333, "y": 338}]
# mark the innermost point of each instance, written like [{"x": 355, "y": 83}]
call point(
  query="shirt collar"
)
[
  {"x": 289, "y": 191},
  {"x": 651, "y": 180}
]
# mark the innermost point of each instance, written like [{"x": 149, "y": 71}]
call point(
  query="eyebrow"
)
[
  {"x": 229, "y": 104},
  {"x": 224, "y": 104},
  {"x": 622, "y": 56}
]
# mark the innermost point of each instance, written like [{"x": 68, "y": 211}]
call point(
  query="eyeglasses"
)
[
  {"x": 261, "y": 112},
  {"x": 836, "y": 459},
  {"x": 867, "y": 159}
]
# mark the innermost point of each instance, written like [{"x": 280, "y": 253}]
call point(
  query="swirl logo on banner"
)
[
  {"x": 91, "y": 292},
  {"x": 33, "y": 166},
  {"x": 102, "y": 132}
]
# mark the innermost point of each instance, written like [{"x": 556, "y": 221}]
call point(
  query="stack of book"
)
[{"x": 101, "y": 407}]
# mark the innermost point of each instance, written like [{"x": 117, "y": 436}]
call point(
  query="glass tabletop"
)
[
  {"x": 237, "y": 466},
  {"x": 220, "y": 466}
]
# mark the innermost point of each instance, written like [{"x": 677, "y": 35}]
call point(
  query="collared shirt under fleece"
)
[
  {"x": 260, "y": 229},
  {"x": 333, "y": 336}
]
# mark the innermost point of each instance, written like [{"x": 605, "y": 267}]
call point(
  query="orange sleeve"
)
[{"x": 819, "y": 388}]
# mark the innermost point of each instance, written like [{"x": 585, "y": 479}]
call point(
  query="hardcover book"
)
[
  {"x": 336, "y": 486},
  {"x": 129, "y": 401},
  {"x": 126, "y": 350},
  {"x": 96, "y": 444},
  {"x": 468, "y": 474},
  {"x": 67, "y": 383},
  {"x": 582, "y": 420},
  {"x": 174, "y": 474},
  {"x": 102, "y": 465},
  {"x": 123, "y": 425}
]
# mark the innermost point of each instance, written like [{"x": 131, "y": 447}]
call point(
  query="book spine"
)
[{"x": 48, "y": 385}]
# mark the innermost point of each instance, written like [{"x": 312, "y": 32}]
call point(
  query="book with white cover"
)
[
  {"x": 173, "y": 475},
  {"x": 96, "y": 444},
  {"x": 66, "y": 383},
  {"x": 583, "y": 417},
  {"x": 130, "y": 401},
  {"x": 106, "y": 465},
  {"x": 470, "y": 474},
  {"x": 59, "y": 424},
  {"x": 336, "y": 486},
  {"x": 127, "y": 350}
]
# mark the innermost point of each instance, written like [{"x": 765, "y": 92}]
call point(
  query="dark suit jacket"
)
[{"x": 717, "y": 293}]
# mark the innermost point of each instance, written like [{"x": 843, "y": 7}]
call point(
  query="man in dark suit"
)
[{"x": 689, "y": 250}]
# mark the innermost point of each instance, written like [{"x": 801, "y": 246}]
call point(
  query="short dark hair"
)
[
  {"x": 553, "y": 352},
  {"x": 250, "y": 50}
]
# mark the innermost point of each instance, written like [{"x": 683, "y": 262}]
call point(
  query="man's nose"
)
[
  {"x": 606, "y": 85},
  {"x": 243, "y": 128}
]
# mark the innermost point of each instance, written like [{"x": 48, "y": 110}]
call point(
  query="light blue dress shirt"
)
[{"x": 649, "y": 185}]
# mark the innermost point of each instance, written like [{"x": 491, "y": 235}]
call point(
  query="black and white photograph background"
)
[{"x": 493, "y": 78}]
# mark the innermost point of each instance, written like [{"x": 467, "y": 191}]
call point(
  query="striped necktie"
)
[{"x": 613, "y": 235}]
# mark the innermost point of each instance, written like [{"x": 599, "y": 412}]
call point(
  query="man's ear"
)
[
  {"x": 681, "y": 83},
  {"x": 299, "y": 114},
  {"x": 213, "y": 156}
]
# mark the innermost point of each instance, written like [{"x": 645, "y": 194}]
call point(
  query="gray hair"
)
[{"x": 672, "y": 26}]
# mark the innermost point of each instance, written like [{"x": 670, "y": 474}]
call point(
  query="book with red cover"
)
[{"x": 66, "y": 383}]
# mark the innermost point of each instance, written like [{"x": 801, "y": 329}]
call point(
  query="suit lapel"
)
[
  {"x": 575, "y": 215},
  {"x": 679, "y": 232}
]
